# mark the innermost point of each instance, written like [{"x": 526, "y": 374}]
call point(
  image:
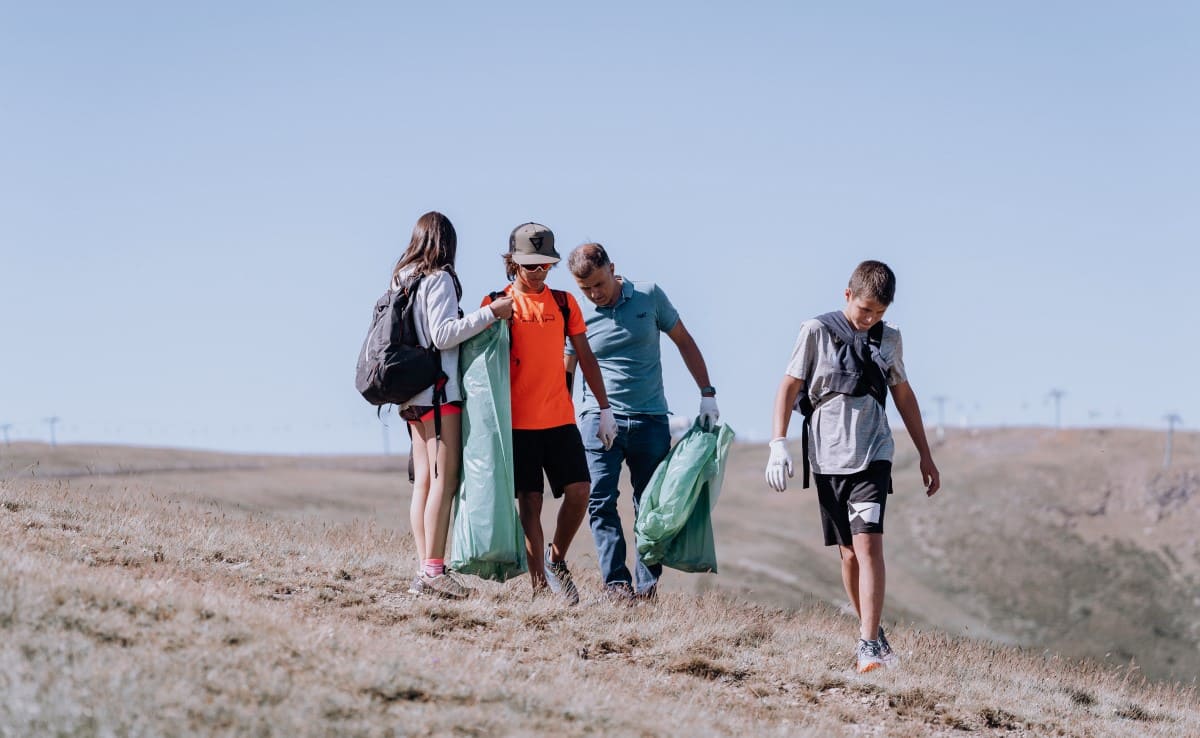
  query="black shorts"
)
[
  {"x": 558, "y": 451},
  {"x": 853, "y": 503}
]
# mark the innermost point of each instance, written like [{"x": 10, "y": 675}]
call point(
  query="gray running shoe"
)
[
  {"x": 457, "y": 579},
  {"x": 619, "y": 593},
  {"x": 417, "y": 587},
  {"x": 885, "y": 650},
  {"x": 558, "y": 576},
  {"x": 443, "y": 586},
  {"x": 869, "y": 658}
]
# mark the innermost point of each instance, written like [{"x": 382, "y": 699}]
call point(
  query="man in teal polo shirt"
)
[{"x": 624, "y": 321}]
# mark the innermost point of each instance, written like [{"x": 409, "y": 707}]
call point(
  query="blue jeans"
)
[{"x": 642, "y": 442}]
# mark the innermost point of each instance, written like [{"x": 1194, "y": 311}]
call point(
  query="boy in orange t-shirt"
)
[{"x": 545, "y": 437}]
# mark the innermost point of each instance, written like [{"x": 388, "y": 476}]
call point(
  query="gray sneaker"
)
[
  {"x": 868, "y": 656},
  {"x": 558, "y": 576},
  {"x": 457, "y": 579},
  {"x": 885, "y": 650},
  {"x": 444, "y": 586},
  {"x": 417, "y": 587}
]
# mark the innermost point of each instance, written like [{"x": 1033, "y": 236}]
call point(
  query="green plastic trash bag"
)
[
  {"x": 674, "y": 524},
  {"x": 488, "y": 540}
]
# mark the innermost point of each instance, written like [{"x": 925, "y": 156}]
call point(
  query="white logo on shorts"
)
[{"x": 868, "y": 512}]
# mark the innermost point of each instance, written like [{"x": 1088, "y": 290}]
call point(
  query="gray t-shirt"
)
[{"x": 848, "y": 433}]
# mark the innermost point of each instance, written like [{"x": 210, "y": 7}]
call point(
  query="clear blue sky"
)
[{"x": 200, "y": 202}]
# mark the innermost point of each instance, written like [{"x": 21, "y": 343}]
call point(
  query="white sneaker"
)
[{"x": 869, "y": 658}]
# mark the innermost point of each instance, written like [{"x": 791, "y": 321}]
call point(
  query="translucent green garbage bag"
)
[
  {"x": 487, "y": 539},
  {"x": 674, "y": 524}
]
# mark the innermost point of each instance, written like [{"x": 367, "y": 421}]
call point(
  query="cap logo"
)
[{"x": 537, "y": 242}]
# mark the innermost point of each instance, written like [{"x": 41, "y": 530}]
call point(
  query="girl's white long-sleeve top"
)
[{"x": 436, "y": 318}]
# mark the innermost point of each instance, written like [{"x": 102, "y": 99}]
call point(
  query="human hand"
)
[
  {"x": 709, "y": 414},
  {"x": 608, "y": 428},
  {"x": 779, "y": 463},
  {"x": 502, "y": 307},
  {"x": 931, "y": 477}
]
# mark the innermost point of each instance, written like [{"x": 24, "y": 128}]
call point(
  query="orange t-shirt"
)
[{"x": 536, "y": 373}]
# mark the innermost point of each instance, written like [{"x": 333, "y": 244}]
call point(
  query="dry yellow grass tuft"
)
[{"x": 132, "y": 607}]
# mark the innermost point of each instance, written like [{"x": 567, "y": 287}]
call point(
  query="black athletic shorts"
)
[
  {"x": 853, "y": 503},
  {"x": 557, "y": 451}
]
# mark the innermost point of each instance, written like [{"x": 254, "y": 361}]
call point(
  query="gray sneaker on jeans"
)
[{"x": 558, "y": 576}]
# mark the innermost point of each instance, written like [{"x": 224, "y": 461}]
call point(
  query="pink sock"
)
[{"x": 435, "y": 567}]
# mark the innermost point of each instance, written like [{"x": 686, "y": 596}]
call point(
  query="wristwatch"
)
[{"x": 708, "y": 391}]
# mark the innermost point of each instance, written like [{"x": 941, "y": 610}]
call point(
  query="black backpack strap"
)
[
  {"x": 875, "y": 346},
  {"x": 804, "y": 406},
  {"x": 564, "y": 307},
  {"x": 804, "y": 449},
  {"x": 454, "y": 276}
]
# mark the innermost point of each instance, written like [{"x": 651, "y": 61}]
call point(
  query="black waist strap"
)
[
  {"x": 804, "y": 444},
  {"x": 439, "y": 397}
]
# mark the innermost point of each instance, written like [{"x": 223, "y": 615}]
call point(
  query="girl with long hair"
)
[{"x": 440, "y": 323}]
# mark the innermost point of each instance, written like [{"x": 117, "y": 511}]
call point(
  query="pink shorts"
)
[{"x": 426, "y": 412}]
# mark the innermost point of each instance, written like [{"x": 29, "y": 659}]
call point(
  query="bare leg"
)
[
  {"x": 443, "y": 483},
  {"x": 570, "y": 517},
  {"x": 420, "y": 492},
  {"x": 850, "y": 576},
  {"x": 868, "y": 548},
  {"x": 529, "y": 506}
]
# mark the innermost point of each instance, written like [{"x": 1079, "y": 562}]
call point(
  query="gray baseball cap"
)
[{"x": 532, "y": 243}]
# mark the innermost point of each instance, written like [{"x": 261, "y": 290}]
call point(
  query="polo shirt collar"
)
[{"x": 626, "y": 291}]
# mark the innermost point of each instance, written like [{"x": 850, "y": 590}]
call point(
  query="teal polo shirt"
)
[{"x": 625, "y": 339}]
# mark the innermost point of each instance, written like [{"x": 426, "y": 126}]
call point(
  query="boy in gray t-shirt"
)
[{"x": 846, "y": 363}]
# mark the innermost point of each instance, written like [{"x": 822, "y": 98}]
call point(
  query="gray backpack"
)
[
  {"x": 393, "y": 366},
  {"x": 860, "y": 371}
]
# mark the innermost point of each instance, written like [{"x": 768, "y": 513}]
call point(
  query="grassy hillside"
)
[
  {"x": 149, "y": 592},
  {"x": 1076, "y": 541}
]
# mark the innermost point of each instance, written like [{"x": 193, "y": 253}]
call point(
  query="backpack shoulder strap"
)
[
  {"x": 875, "y": 335},
  {"x": 457, "y": 284},
  {"x": 874, "y": 347},
  {"x": 564, "y": 307},
  {"x": 837, "y": 325},
  {"x": 409, "y": 285}
]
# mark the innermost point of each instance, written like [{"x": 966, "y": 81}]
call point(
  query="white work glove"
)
[
  {"x": 780, "y": 462},
  {"x": 709, "y": 414},
  {"x": 608, "y": 428}
]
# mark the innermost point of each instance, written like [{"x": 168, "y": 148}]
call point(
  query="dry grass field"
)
[
  {"x": 1075, "y": 540},
  {"x": 154, "y": 592}
]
